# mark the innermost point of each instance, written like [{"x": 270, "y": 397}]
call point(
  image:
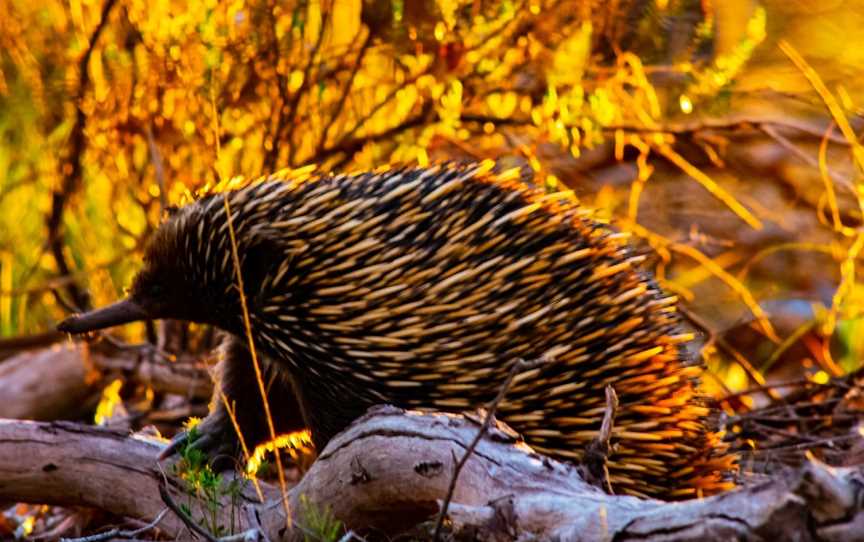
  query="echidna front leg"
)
[{"x": 216, "y": 435}]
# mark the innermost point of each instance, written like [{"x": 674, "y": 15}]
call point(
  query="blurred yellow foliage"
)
[
  {"x": 111, "y": 110},
  {"x": 109, "y": 402}
]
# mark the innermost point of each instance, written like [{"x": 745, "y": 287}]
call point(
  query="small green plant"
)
[
  {"x": 205, "y": 488},
  {"x": 319, "y": 524}
]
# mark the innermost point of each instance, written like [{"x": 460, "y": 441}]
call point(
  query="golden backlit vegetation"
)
[
  {"x": 181, "y": 94},
  {"x": 744, "y": 188}
]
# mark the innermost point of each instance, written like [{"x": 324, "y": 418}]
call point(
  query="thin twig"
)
[
  {"x": 184, "y": 517},
  {"x": 595, "y": 467},
  {"x": 714, "y": 338},
  {"x": 159, "y": 169},
  {"x": 245, "y": 536},
  {"x": 247, "y": 325},
  {"x": 348, "y": 139},
  {"x": 115, "y": 534},
  {"x": 351, "y": 535},
  {"x": 519, "y": 366},
  {"x": 798, "y": 382},
  {"x": 350, "y": 146}
]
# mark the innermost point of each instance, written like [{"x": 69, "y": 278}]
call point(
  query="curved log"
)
[{"x": 390, "y": 470}]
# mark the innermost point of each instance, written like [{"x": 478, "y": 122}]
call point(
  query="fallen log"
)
[
  {"x": 78, "y": 374},
  {"x": 390, "y": 471}
]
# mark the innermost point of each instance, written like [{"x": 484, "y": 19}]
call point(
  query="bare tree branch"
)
[
  {"x": 288, "y": 117},
  {"x": 345, "y": 91},
  {"x": 348, "y": 147},
  {"x": 72, "y": 168}
]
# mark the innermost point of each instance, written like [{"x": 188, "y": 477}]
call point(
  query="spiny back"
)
[{"x": 419, "y": 287}]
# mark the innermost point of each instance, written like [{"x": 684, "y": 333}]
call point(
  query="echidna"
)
[{"x": 419, "y": 288}]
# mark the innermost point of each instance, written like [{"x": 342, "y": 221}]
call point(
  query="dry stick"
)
[
  {"x": 217, "y": 387},
  {"x": 774, "y": 386},
  {"x": 247, "y": 324},
  {"x": 231, "y": 411},
  {"x": 351, "y": 535},
  {"x": 156, "y": 157},
  {"x": 159, "y": 169},
  {"x": 519, "y": 366},
  {"x": 595, "y": 468},
  {"x": 733, "y": 125},
  {"x": 687, "y": 129},
  {"x": 115, "y": 534},
  {"x": 726, "y": 348},
  {"x": 184, "y": 517},
  {"x": 769, "y": 130}
]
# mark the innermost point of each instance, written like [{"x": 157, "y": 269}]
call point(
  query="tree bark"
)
[{"x": 391, "y": 469}]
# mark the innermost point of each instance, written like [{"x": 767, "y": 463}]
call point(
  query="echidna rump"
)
[{"x": 419, "y": 288}]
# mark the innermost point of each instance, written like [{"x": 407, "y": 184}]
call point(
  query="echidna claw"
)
[
  {"x": 214, "y": 437},
  {"x": 173, "y": 446}
]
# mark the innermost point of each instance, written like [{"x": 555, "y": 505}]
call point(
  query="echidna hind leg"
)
[{"x": 216, "y": 434}]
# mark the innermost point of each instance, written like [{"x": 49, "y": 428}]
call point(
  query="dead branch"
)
[
  {"x": 117, "y": 534},
  {"x": 78, "y": 373},
  {"x": 349, "y": 143},
  {"x": 350, "y": 146},
  {"x": 713, "y": 338},
  {"x": 346, "y": 90},
  {"x": 808, "y": 420},
  {"x": 72, "y": 168},
  {"x": 386, "y": 473},
  {"x": 172, "y": 505},
  {"x": 518, "y": 367},
  {"x": 288, "y": 116},
  {"x": 595, "y": 460}
]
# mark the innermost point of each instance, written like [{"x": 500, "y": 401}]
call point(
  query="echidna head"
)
[{"x": 173, "y": 283}]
